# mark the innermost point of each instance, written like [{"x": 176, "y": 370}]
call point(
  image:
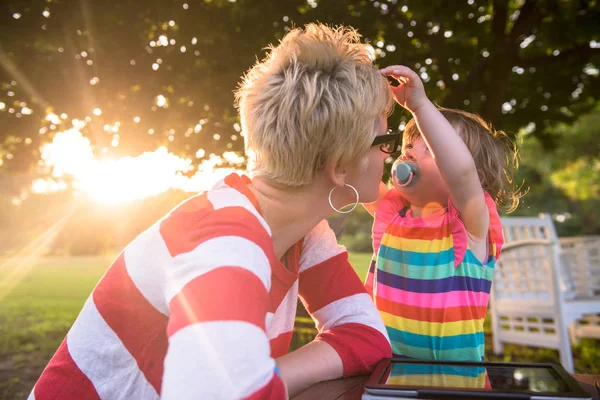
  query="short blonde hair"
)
[
  {"x": 494, "y": 153},
  {"x": 316, "y": 97}
]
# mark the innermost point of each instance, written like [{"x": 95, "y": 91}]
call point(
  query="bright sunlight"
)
[{"x": 70, "y": 157}]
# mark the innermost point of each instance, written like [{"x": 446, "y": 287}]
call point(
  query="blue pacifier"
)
[{"x": 404, "y": 173}]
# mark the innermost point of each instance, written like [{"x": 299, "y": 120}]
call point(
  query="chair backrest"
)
[
  {"x": 528, "y": 265},
  {"x": 581, "y": 255},
  {"x": 524, "y": 228}
]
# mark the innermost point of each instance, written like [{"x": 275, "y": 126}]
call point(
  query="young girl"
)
[{"x": 437, "y": 233}]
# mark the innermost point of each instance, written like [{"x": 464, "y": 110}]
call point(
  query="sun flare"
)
[{"x": 70, "y": 157}]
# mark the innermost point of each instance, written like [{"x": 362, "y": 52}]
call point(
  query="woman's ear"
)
[{"x": 336, "y": 172}]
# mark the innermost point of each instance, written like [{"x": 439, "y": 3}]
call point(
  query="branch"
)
[
  {"x": 499, "y": 15},
  {"x": 583, "y": 52},
  {"x": 529, "y": 18}
]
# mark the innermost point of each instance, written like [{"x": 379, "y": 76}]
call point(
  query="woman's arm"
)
[
  {"x": 335, "y": 297},
  {"x": 315, "y": 362}
]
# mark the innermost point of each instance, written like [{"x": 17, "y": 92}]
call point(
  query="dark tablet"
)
[{"x": 402, "y": 378}]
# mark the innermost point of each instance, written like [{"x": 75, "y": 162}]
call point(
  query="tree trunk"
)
[{"x": 588, "y": 222}]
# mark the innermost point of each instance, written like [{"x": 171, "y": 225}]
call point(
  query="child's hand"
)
[{"x": 410, "y": 93}]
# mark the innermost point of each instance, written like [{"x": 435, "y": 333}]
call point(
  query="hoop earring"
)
[{"x": 355, "y": 203}]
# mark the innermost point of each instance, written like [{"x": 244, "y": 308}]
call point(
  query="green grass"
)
[
  {"x": 37, "y": 312},
  {"x": 360, "y": 262}
]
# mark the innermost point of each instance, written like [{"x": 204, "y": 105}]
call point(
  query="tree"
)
[
  {"x": 123, "y": 60},
  {"x": 174, "y": 65},
  {"x": 492, "y": 57},
  {"x": 566, "y": 180}
]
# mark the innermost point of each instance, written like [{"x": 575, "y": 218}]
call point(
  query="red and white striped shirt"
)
[{"x": 198, "y": 306}]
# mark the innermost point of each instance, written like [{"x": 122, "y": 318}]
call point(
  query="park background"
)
[{"x": 112, "y": 112}]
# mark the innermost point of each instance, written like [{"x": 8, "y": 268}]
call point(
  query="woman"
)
[{"x": 202, "y": 304}]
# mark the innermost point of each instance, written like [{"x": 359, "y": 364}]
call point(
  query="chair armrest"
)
[{"x": 527, "y": 242}]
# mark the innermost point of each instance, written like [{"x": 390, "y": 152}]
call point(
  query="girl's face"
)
[{"x": 430, "y": 188}]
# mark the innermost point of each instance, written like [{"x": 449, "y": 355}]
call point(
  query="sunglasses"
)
[{"x": 388, "y": 143}]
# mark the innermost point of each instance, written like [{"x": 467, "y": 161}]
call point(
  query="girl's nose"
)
[{"x": 407, "y": 155}]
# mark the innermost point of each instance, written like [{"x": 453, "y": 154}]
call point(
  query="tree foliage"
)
[
  {"x": 566, "y": 180},
  {"x": 518, "y": 63}
]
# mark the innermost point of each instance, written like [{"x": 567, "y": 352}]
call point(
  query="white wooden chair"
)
[
  {"x": 534, "y": 297},
  {"x": 582, "y": 257}
]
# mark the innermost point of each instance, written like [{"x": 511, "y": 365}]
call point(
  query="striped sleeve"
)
[
  {"x": 387, "y": 210},
  {"x": 335, "y": 297},
  {"x": 217, "y": 290},
  {"x": 459, "y": 231}
]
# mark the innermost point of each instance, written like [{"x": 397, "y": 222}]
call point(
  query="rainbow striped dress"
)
[{"x": 430, "y": 289}]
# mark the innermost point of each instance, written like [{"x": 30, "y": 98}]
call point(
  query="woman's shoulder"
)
[
  {"x": 225, "y": 209},
  {"x": 320, "y": 237},
  {"x": 319, "y": 245}
]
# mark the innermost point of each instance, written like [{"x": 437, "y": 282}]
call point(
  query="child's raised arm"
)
[{"x": 454, "y": 161}]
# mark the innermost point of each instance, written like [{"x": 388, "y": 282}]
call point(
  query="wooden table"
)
[{"x": 353, "y": 388}]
